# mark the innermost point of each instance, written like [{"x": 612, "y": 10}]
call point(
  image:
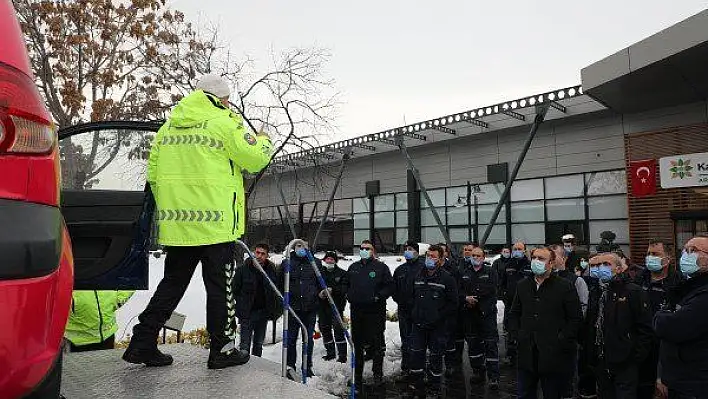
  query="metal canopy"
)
[{"x": 663, "y": 70}]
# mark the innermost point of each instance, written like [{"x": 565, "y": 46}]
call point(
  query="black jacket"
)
[
  {"x": 516, "y": 270},
  {"x": 304, "y": 288},
  {"x": 249, "y": 283},
  {"x": 370, "y": 284},
  {"x": 338, "y": 280},
  {"x": 434, "y": 298},
  {"x": 499, "y": 267},
  {"x": 662, "y": 293},
  {"x": 684, "y": 339},
  {"x": 587, "y": 334},
  {"x": 403, "y": 277},
  {"x": 545, "y": 320},
  {"x": 481, "y": 284},
  {"x": 627, "y": 328}
]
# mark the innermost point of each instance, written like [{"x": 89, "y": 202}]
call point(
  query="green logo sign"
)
[
  {"x": 681, "y": 168},
  {"x": 372, "y": 274}
]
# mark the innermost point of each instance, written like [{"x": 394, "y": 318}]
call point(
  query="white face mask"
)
[{"x": 330, "y": 266}]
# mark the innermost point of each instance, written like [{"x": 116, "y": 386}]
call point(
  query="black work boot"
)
[
  {"x": 149, "y": 357},
  {"x": 477, "y": 377},
  {"x": 329, "y": 347},
  {"x": 220, "y": 360},
  {"x": 342, "y": 352}
]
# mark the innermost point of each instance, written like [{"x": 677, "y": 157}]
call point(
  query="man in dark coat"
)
[
  {"x": 517, "y": 268},
  {"x": 477, "y": 291},
  {"x": 337, "y": 281},
  {"x": 404, "y": 276},
  {"x": 435, "y": 300},
  {"x": 499, "y": 265},
  {"x": 256, "y": 303},
  {"x": 623, "y": 328},
  {"x": 545, "y": 316},
  {"x": 684, "y": 332},
  {"x": 455, "y": 333},
  {"x": 370, "y": 284},
  {"x": 304, "y": 300}
]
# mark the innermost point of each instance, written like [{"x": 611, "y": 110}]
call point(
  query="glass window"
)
[
  {"x": 383, "y": 219},
  {"x": 530, "y": 233},
  {"x": 484, "y": 213},
  {"x": 619, "y": 227},
  {"x": 309, "y": 207},
  {"x": 401, "y": 201},
  {"x": 254, "y": 214},
  {"x": 524, "y": 190},
  {"x": 564, "y": 186},
  {"x": 527, "y": 211},
  {"x": 565, "y": 209},
  {"x": 427, "y": 218},
  {"x": 342, "y": 207},
  {"x": 266, "y": 213},
  {"x": 459, "y": 234},
  {"x": 437, "y": 196},
  {"x": 384, "y": 203},
  {"x": 360, "y": 235},
  {"x": 431, "y": 235},
  {"x": 497, "y": 236},
  {"x": 361, "y": 220},
  {"x": 401, "y": 236},
  {"x": 488, "y": 194},
  {"x": 458, "y": 216},
  {"x": 361, "y": 205},
  {"x": 402, "y": 218},
  {"x": 457, "y": 196},
  {"x": 614, "y": 207},
  {"x": 614, "y": 182}
]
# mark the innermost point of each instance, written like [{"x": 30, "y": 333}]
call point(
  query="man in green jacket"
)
[
  {"x": 92, "y": 322},
  {"x": 195, "y": 173}
]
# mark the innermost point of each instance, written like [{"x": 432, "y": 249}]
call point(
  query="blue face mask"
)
[
  {"x": 475, "y": 262},
  {"x": 584, "y": 264},
  {"x": 410, "y": 255},
  {"x": 506, "y": 255},
  {"x": 517, "y": 254},
  {"x": 430, "y": 263},
  {"x": 301, "y": 252},
  {"x": 568, "y": 250},
  {"x": 468, "y": 259},
  {"x": 602, "y": 272},
  {"x": 689, "y": 263},
  {"x": 653, "y": 263},
  {"x": 364, "y": 254},
  {"x": 537, "y": 267}
]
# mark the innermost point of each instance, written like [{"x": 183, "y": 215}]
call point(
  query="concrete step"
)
[{"x": 103, "y": 374}]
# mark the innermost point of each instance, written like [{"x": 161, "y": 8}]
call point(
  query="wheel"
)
[{"x": 51, "y": 385}]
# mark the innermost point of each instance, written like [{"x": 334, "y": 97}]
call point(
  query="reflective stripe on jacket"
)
[{"x": 93, "y": 316}]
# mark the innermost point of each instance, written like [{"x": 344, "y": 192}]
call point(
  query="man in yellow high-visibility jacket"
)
[
  {"x": 92, "y": 321},
  {"x": 195, "y": 173}
]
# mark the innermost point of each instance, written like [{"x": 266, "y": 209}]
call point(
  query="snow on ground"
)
[{"x": 331, "y": 376}]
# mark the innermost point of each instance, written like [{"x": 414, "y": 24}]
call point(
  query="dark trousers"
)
[
  {"x": 108, "y": 343},
  {"x": 424, "y": 339},
  {"x": 309, "y": 318},
  {"x": 678, "y": 395},
  {"x": 455, "y": 342},
  {"x": 587, "y": 382},
  {"x": 253, "y": 330},
  {"x": 482, "y": 339},
  {"x": 618, "y": 383},
  {"x": 551, "y": 384},
  {"x": 217, "y": 272},
  {"x": 509, "y": 338},
  {"x": 404, "y": 328},
  {"x": 368, "y": 334},
  {"x": 331, "y": 330}
]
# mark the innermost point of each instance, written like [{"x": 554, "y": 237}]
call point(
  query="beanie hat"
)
[
  {"x": 214, "y": 84},
  {"x": 411, "y": 243},
  {"x": 331, "y": 254}
]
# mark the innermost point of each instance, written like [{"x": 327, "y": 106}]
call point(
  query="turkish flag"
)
[{"x": 643, "y": 175}]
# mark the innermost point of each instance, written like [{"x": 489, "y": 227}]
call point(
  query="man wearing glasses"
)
[
  {"x": 370, "y": 284},
  {"x": 684, "y": 332}
]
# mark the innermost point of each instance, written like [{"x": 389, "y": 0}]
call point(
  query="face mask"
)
[
  {"x": 430, "y": 263},
  {"x": 604, "y": 273},
  {"x": 330, "y": 266},
  {"x": 584, "y": 264},
  {"x": 410, "y": 255},
  {"x": 517, "y": 254},
  {"x": 689, "y": 263},
  {"x": 468, "y": 259},
  {"x": 568, "y": 249},
  {"x": 653, "y": 263},
  {"x": 475, "y": 262},
  {"x": 506, "y": 255},
  {"x": 301, "y": 252},
  {"x": 364, "y": 253},
  {"x": 537, "y": 267}
]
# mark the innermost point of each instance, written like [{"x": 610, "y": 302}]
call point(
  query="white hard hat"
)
[
  {"x": 214, "y": 84},
  {"x": 568, "y": 237}
]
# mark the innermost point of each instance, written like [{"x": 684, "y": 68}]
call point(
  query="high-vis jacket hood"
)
[
  {"x": 93, "y": 316},
  {"x": 195, "y": 172}
]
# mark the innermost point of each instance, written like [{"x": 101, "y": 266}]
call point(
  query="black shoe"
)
[
  {"x": 477, "y": 377},
  {"x": 342, "y": 359},
  {"x": 148, "y": 357},
  {"x": 329, "y": 356},
  {"x": 494, "y": 384},
  {"x": 378, "y": 380},
  {"x": 310, "y": 373},
  {"x": 223, "y": 360}
]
